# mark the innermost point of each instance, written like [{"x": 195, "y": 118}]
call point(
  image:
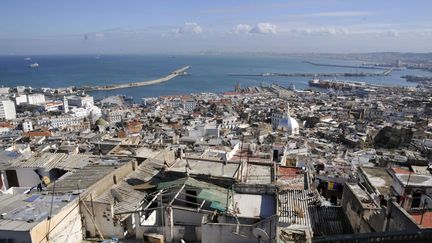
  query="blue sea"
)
[{"x": 208, "y": 73}]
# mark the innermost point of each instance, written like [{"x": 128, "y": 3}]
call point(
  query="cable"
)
[{"x": 50, "y": 214}]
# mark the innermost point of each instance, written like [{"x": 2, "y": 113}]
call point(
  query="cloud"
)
[
  {"x": 264, "y": 28},
  {"x": 189, "y": 28},
  {"x": 392, "y": 33},
  {"x": 321, "y": 31},
  {"x": 92, "y": 35},
  {"x": 99, "y": 35},
  {"x": 241, "y": 29},
  {"x": 338, "y": 14}
]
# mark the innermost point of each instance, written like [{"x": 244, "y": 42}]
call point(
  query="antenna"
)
[{"x": 260, "y": 234}]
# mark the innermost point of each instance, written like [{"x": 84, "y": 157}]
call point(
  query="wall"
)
[
  {"x": 27, "y": 177},
  {"x": 102, "y": 219},
  {"x": 65, "y": 226},
  {"x": 399, "y": 219},
  {"x": 187, "y": 217},
  {"x": 226, "y": 233},
  {"x": 362, "y": 219},
  {"x": 16, "y": 236}
]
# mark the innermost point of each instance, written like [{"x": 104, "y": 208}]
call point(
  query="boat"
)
[
  {"x": 27, "y": 58},
  {"x": 335, "y": 84},
  {"x": 34, "y": 65}
]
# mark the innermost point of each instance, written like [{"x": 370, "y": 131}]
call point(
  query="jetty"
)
[
  {"x": 352, "y": 66},
  {"x": 353, "y": 74},
  {"x": 178, "y": 72}
]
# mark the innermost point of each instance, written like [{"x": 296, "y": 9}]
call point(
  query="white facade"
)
[
  {"x": 114, "y": 116},
  {"x": 80, "y": 101},
  {"x": 27, "y": 126},
  {"x": 4, "y": 90},
  {"x": 189, "y": 105},
  {"x": 19, "y": 99},
  {"x": 276, "y": 117},
  {"x": 65, "y": 105},
  {"x": 36, "y": 99},
  {"x": 7, "y": 110},
  {"x": 60, "y": 122}
]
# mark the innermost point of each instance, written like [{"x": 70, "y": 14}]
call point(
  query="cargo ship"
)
[
  {"x": 335, "y": 84},
  {"x": 34, "y": 65}
]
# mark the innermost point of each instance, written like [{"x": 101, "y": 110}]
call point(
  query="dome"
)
[
  {"x": 290, "y": 125},
  {"x": 102, "y": 122}
]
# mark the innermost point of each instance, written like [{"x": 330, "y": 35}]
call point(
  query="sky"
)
[{"x": 190, "y": 26}]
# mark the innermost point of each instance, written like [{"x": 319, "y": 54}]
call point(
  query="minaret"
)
[
  {"x": 288, "y": 110},
  {"x": 65, "y": 105}
]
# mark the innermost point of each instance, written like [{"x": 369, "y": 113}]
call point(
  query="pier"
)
[
  {"x": 172, "y": 75},
  {"x": 352, "y": 66},
  {"x": 354, "y": 74}
]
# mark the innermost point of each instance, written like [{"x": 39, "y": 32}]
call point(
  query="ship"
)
[
  {"x": 27, "y": 58},
  {"x": 34, "y": 65},
  {"x": 335, "y": 84}
]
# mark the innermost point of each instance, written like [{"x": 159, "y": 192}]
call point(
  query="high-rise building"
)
[
  {"x": 7, "y": 110},
  {"x": 65, "y": 104},
  {"x": 35, "y": 99}
]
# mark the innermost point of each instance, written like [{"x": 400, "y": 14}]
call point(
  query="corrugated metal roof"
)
[
  {"x": 294, "y": 206},
  {"x": 219, "y": 196},
  {"x": 49, "y": 161},
  {"x": 43, "y": 160},
  {"x": 329, "y": 220},
  {"x": 81, "y": 179},
  {"x": 123, "y": 197}
]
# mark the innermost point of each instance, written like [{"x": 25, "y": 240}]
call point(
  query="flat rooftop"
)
[
  {"x": 22, "y": 212},
  {"x": 379, "y": 178},
  {"x": 204, "y": 167}
]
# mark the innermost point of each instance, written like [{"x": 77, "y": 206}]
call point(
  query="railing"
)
[{"x": 382, "y": 237}]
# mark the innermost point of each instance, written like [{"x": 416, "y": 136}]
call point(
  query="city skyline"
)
[{"x": 111, "y": 27}]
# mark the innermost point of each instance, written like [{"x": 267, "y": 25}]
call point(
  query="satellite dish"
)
[
  {"x": 46, "y": 180},
  {"x": 260, "y": 234}
]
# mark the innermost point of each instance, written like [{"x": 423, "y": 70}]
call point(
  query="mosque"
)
[{"x": 284, "y": 122}]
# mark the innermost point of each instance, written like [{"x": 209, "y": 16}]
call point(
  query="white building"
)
[
  {"x": 115, "y": 115},
  {"x": 7, "y": 110},
  {"x": 36, "y": 99},
  {"x": 60, "y": 122},
  {"x": 65, "y": 105},
  {"x": 4, "y": 90},
  {"x": 275, "y": 119},
  {"x": 27, "y": 126},
  {"x": 19, "y": 99},
  {"x": 289, "y": 124},
  {"x": 80, "y": 101},
  {"x": 189, "y": 105}
]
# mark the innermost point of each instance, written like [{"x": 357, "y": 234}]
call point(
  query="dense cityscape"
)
[{"x": 266, "y": 163}]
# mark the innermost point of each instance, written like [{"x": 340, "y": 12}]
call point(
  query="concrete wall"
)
[
  {"x": 362, "y": 219},
  {"x": 187, "y": 217},
  {"x": 65, "y": 226},
  {"x": 102, "y": 219},
  {"x": 102, "y": 211},
  {"x": 27, "y": 177},
  {"x": 399, "y": 219},
  {"x": 227, "y": 233}
]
